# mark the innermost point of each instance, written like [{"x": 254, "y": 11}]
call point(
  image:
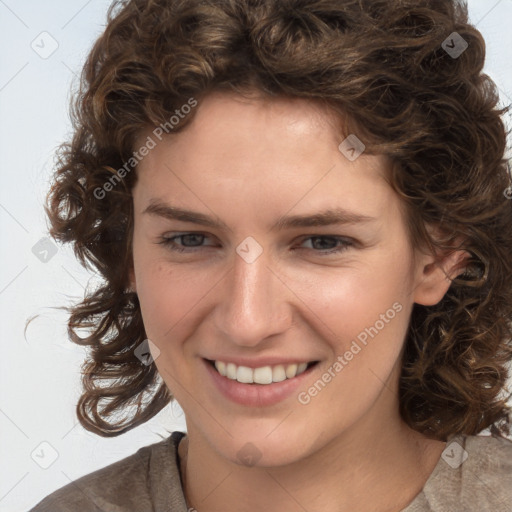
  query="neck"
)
[
  {"x": 378, "y": 464},
  {"x": 377, "y": 473}
]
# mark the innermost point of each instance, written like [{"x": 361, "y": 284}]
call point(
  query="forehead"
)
[
  {"x": 277, "y": 152},
  {"x": 232, "y": 118}
]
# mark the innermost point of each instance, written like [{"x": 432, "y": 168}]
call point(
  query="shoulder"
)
[
  {"x": 493, "y": 452},
  {"x": 132, "y": 483},
  {"x": 474, "y": 473},
  {"x": 489, "y": 461}
]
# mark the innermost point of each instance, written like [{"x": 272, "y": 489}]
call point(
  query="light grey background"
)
[{"x": 39, "y": 378}]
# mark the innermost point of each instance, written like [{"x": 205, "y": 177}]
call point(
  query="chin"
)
[{"x": 264, "y": 450}]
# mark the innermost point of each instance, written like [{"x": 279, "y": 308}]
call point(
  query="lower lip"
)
[{"x": 256, "y": 395}]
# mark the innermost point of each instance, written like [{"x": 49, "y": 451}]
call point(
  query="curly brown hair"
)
[{"x": 383, "y": 66}]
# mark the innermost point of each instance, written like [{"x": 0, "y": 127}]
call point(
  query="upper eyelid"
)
[
  {"x": 185, "y": 233},
  {"x": 341, "y": 238},
  {"x": 175, "y": 234}
]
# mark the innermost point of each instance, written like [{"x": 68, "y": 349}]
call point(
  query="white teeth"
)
[
  {"x": 262, "y": 375},
  {"x": 291, "y": 370},
  {"x": 278, "y": 373},
  {"x": 244, "y": 375},
  {"x": 231, "y": 371},
  {"x": 221, "y": 367}
]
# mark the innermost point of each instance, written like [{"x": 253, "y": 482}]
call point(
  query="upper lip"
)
[{"x": 260, "y": 362}]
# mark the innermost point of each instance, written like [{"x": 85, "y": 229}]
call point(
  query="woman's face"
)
[{"x": 272, "y": 268}]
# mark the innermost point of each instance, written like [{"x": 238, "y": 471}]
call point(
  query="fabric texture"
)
[{"x": 474, "y": 474}]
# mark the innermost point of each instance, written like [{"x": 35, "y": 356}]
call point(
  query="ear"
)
[{"x": 435, "y": 272}]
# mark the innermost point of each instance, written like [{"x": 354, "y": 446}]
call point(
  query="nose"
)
[{"x": 254, "y": 303}]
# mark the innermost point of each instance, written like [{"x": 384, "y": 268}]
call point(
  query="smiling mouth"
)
[{"x": 263, "y": 375}]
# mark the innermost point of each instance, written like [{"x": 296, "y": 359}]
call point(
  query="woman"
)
[{"x": 300, "y": 213}]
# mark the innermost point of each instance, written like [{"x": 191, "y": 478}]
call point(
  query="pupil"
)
[
  {"x": 331, "y": 243},
  {"x": 186, "y": 239}
]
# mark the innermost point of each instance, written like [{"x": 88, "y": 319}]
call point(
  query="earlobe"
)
[{"x": 436, "y": 276}]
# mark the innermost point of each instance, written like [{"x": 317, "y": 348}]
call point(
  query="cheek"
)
[
  {"x": 362, "y": 314},
  {"x": 350, "y": 299},
  {"x": 363, "y": 319},
  {"x": 167, "y": 294}
]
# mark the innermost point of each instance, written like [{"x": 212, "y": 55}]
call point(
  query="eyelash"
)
[{"x": 169, "y": 242}]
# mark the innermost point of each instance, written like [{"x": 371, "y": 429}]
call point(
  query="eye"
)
[
  {"x": 185, "y": 242},
  {"x": 326, "y": 244},
  {"x": 320, "y": 244}
]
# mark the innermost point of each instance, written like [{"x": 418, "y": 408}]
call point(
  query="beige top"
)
[{"x": 474, "y": 474}]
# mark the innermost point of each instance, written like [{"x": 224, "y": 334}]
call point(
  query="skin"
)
[{"x": 249, "y": 162}]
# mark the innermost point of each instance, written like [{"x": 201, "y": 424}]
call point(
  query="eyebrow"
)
[{"x": 336, "y": 216}]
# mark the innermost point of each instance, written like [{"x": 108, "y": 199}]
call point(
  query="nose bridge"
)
[{"x": 253, "y": 304}]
